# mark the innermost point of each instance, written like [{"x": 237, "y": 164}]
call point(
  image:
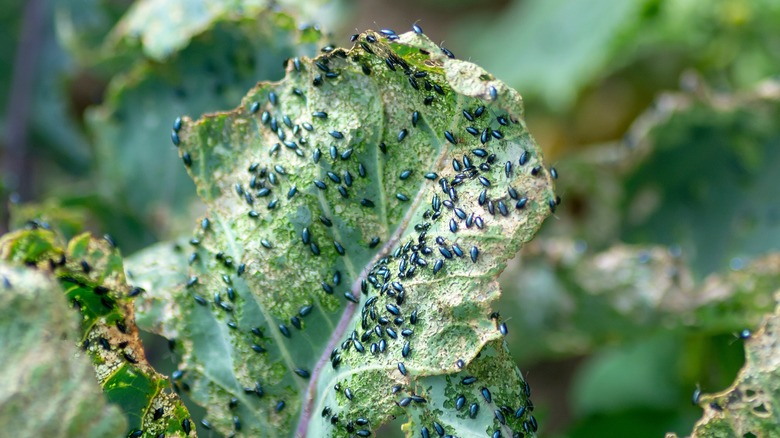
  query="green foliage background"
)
[{"x": 657, "y": 113}]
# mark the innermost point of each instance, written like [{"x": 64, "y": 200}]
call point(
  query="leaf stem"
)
[{"x": 17, "y": 164}]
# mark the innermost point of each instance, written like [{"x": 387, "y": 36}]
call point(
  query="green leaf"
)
[
  {"x": 91, "y": 274},
  {"x": 748, "y": 406},
  {"x": 163, "y": 27},
  {"x": 137, "y": 168},
  {"x": 308, "y": 210},
  {"x": 629, "y": 376},
  {"x": 557, "y": 46},
  {"x": 48, "y": 389}
]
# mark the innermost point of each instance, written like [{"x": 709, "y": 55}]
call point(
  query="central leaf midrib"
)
[{"x": 380, "y": 165}]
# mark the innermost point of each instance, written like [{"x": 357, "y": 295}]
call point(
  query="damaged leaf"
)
[
  {"x": 43, "y": 373},
  {"x": 359, "y": 213},
  {"x": 91, "y": 274},
  {"x": 749, "y": 406}
]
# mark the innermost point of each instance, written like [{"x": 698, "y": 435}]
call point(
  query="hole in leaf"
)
[{"x": 761, "y": 410}]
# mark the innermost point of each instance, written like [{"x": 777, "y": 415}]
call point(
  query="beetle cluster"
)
[
  {"x": 466, "y": 196},
  {"x": 382, "y": 317}
]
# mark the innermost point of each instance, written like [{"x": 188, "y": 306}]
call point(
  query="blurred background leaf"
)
[
  {"x": 115, "y": 160},
  {"x": 138, "y": 167},
  {"x": 36, "y": 116},
  {"x": 579, "y": 290},
  {"x": 709, "y": 184},
  {"x": 39, "y": 337},
  {"x": 578, "y": 37},
  {"x": 561, "y": 47}
]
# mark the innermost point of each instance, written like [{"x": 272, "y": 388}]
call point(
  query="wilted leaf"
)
[
  {"x": 309, "y": 211},
  {"x": 91, "y": 273},
  {"x": 47, "y": 390}
]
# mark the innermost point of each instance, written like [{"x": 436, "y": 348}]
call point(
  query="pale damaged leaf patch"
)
[
  {"x": 359, "y": 213},
  {"x": 163, "y": 27},
  {"x": 91, "y": 275},
  {"x": 47, "y": 390},
  {"x": 487, "y": 396}
]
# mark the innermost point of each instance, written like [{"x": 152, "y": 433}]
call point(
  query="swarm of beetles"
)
[{"x": 441, "y": 207}]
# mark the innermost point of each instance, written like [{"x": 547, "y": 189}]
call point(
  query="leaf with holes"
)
[
  {"x": 359, "y": 213},
  {"x": 486, "y": 396},
  {"x": 749, "y": 406},
  {"x": 90, "y": 272}
]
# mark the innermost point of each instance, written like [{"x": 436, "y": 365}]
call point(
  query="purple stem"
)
[{"x": 17, "y": 163}]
